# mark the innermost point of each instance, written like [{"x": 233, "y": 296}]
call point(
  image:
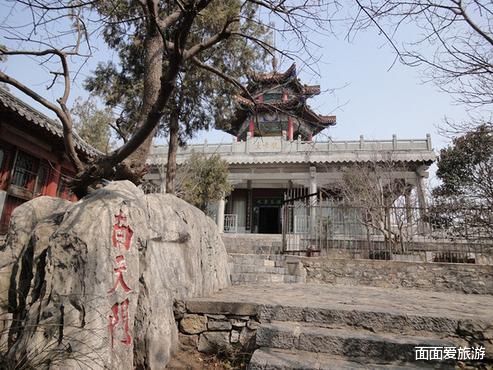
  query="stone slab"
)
[
  {"x": 277, "y": 359},
  {"x": 344, "y": 342},
  {"x": 370, "y": 308},
  {"x": 217, "y": 307},
  {"x": 340, "y": 297},
  {"x": 219, "y": 325}
]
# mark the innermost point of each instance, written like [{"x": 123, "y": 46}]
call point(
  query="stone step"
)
[
  {"x": 363, "y": 318},
  {"x": 255, "y": 258},
  {"x": 255, "y": 268},
  {"x": 400, "y": 311},
  {"x": 277, "y": 359},
  {"x": 262, "y": 278},
  {"x": 344, "y": 342},
  {"x": 265, "y": 249}
]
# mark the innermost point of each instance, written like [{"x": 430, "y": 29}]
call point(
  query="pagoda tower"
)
[{"x": 278, "y": 108}]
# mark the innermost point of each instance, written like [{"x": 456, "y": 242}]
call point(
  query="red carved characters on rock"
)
[
  {"x": 118, "y": 323},
  {"x": 121, "y": 239},
  {"x": 122, "y": 266},
  {"x": 122, "y": 233}
]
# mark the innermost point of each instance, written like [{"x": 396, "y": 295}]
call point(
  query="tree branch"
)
[{"x": 67, "y": 125}]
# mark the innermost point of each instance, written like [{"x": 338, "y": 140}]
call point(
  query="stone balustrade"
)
[{"x": 267, "y": 146}]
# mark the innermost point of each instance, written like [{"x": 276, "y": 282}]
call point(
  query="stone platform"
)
[{"x": 313, "y": 326}]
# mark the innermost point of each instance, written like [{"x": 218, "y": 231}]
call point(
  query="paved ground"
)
[{"x": 399, "y": 301}]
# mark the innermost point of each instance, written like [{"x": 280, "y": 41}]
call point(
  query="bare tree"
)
[
  {"x": 383, "y": 201},
  {"x": 454, "y": 42},
  {"x": 59, "y": 31}
]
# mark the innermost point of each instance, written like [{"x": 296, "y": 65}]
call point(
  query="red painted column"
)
[
  {"x": 7, "y": 167},
  {"x": 54, "y": 180},
  {"x": 290, "y": 129},
  {"x": 310, "y": 136},
  {"x": 251, "y": 127}
]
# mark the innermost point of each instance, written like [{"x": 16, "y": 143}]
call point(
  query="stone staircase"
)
[
  {"x": 261, "y": 269},
  {"x": 301, "y": 345},
  {"x": 361, "y": 338},
  {"x": 310, "y": 326},
  {"x": 257, "y": 259}
]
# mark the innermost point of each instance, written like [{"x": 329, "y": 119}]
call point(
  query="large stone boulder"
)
[{"x": 92, "y": 284}]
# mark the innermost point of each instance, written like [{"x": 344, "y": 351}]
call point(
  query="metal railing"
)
[
  {"x": 230, "y": 223},
  {"x": 403, "y": 233},
  {"x": 301, "y": 224}
]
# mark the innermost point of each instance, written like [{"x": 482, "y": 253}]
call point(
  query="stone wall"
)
[
  {"x": 227, "y": 334},
  {"x": 454, "y": 277}
]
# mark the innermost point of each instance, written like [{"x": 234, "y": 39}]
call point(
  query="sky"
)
[{"x": 368, "y": 99}]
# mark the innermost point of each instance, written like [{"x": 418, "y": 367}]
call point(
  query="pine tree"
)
[
  {"x": 200, "y": 100},
  {"x": 93, "y": 124}
]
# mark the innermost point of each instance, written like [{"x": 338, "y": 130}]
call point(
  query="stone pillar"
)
[
  {"x": 313, "y": 187},
  {"x": 428, "y": 142},
  {"x": 313, "y": 199},
  {"x": 220, "y": 214},
  {"x": 249, "y": 207},
  {"x": 421, "y": 174},
  {"x": 421, "y": 194}
]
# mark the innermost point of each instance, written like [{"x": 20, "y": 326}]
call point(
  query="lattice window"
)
[{"x": 25, "y": 171}]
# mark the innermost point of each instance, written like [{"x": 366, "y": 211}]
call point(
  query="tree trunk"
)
[
  {"x": 152, "y": 85},
  {"x": 128, "y": 162},
  {"x": 174, "y": 127}
]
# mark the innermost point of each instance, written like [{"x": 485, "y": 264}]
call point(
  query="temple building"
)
[
  {"x": 276, "y": 147},
  {"x": 32, "y": 156}
]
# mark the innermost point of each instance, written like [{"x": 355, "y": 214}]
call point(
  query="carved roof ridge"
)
[{"x": 274, "y": 76}]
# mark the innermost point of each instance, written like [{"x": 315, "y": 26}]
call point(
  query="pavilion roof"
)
[
  {"x": 295, "y": 106},
  {"x": 287, "y": 78}
]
